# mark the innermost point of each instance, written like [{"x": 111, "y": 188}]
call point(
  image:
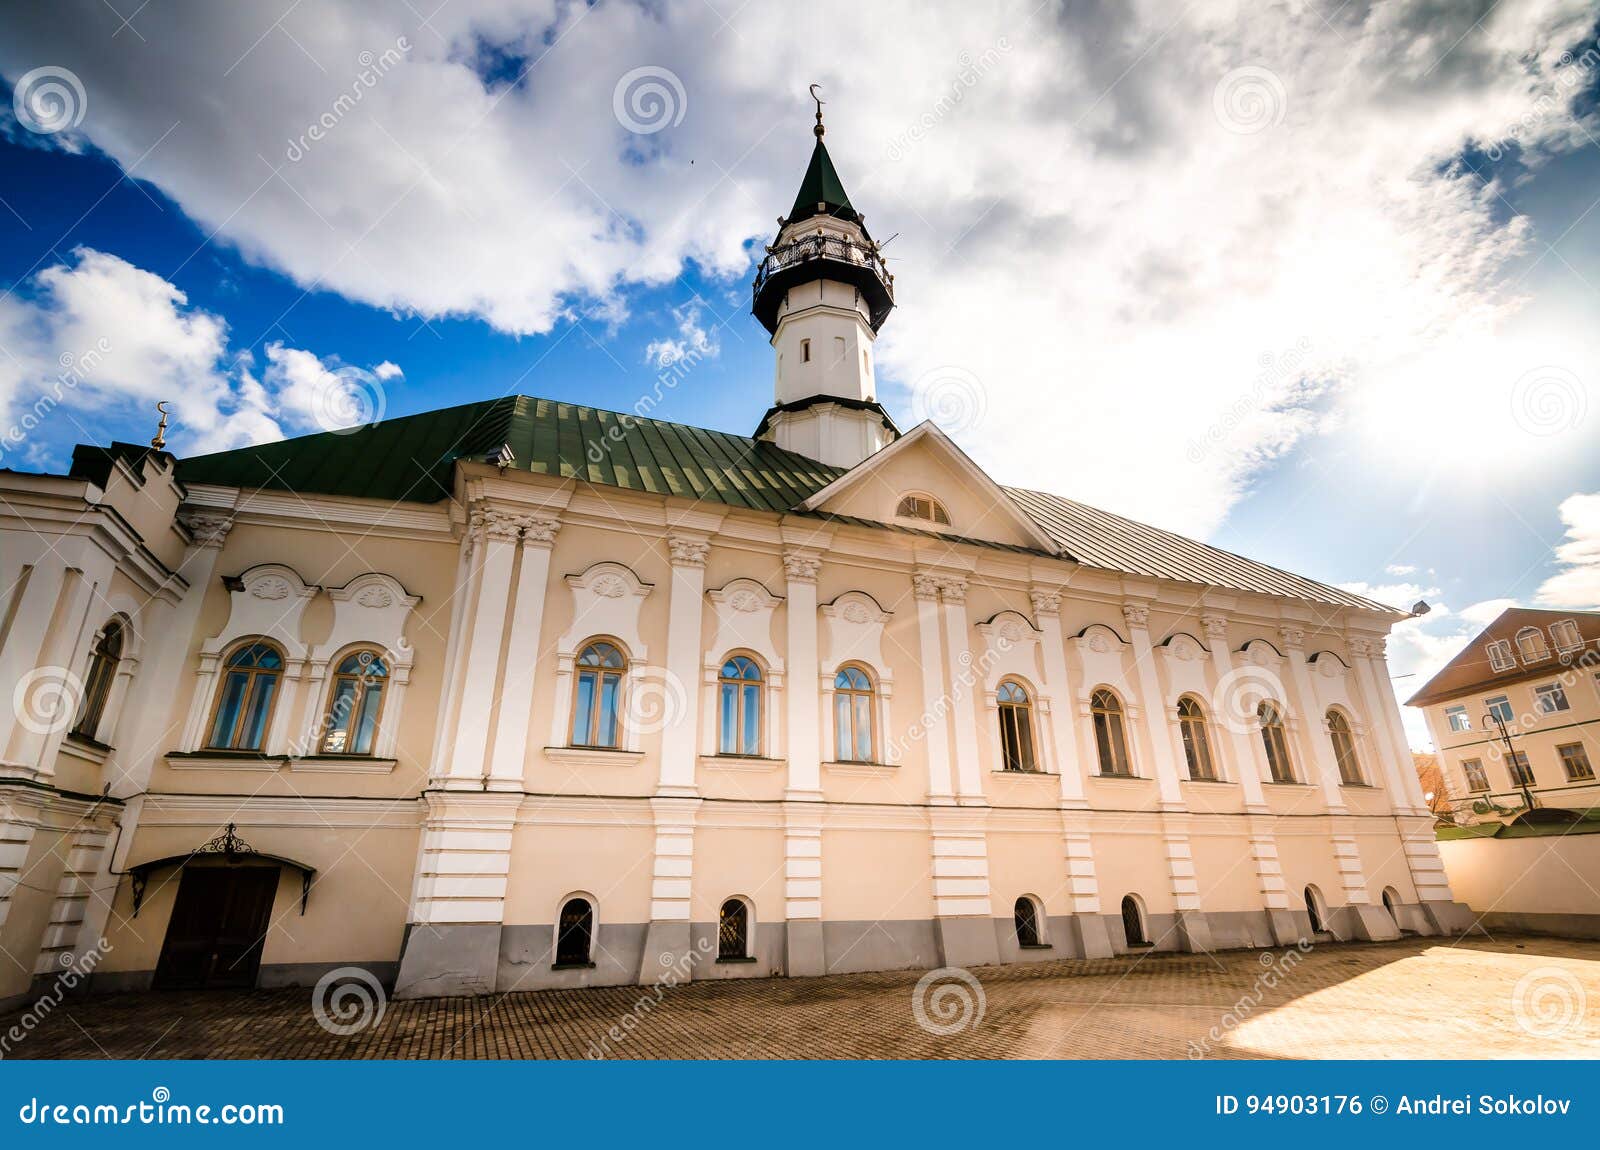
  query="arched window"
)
[
  {"x": 1025, "y": 915},
  {"x": 853, "y": 720},
  {"x": 1110, "y": 733},
  {"x": 1314, "y": 910},
  {"x": 805, "y": 351},
  {"x": 354, "y": 704},
  {"x": 924, "y": 507},
  {"x": 575, "y": 933},
  {"x": 739, "y": 690},
  {"x": 1016, "y": 727},
  {"x": 733, "y": 930},
  {"x": 1391, "y": 903},
  {"x": 1273, "y": 738},
  {"x": 1530, "y": 642},
  {"x": 103, "y": 662},
  {"x": 1133, "y": 922},
  {"x": 1344, "y": 748},
  {"x": 597, "y": 702},
  {"x": 245, "y": 700},
  {"x": 1196, "y": 739}
]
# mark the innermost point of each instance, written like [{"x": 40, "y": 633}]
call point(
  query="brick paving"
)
[{"x": 1415, "y": 998}]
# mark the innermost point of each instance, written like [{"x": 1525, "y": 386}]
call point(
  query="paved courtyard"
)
[{"x": 1479, "y": 998}]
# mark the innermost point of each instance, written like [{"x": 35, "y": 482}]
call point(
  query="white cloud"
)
[
  {"x": 693, "y": 342},
  {"x": 99, "y": 335},
  {"x": 387, "y": 371},
  {"x": 1577, "y": 586},
  {"x": 1400, "y": 569},
  {"x": 1079, "y": 228}
]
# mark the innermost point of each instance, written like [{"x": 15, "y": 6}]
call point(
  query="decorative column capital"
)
[
  {"x": 798, "y": 567},
  {"x": 1045, "y": 602},
  {"x": 688, "y": 550},
  {"x": 1368, "y": 648},
  {"x": 1136, "y": 614},
  {"x": 1216, "y": 626},
  {"x": 953, "y": 589},
  {"x": 539, "y": 530},
  {"x": 486, "y": 524},
  {"x": 206, "y": 528},
  {"x": 1294, "y": 638},
  {"x": 925, "y": 586}
]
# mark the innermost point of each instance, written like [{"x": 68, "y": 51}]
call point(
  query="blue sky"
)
[{"x": 1320, "y": 289}]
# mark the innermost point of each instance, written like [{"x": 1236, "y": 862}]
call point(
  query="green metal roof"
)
[
  {"x": 412, "y": 457},
  {"x": 821, "y": 186}
]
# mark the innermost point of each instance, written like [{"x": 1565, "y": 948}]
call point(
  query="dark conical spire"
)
[{"x": 821, "y": 186}]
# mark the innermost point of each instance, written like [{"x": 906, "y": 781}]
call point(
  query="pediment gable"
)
[{"x": 926, "y": 464}]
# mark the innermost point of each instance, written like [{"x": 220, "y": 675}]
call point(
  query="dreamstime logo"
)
[
  {"x": 49, "y": 100},
  {"x": 948, "y": 1001},
  {"x": 348, "y": 1000},
  {"x": 953, "y": 397},
  {"x": 1239, "y": 694},
  {"x": 656, "y": 700},
  {"x": 648, "y": 99},
  {"x": 1248, "y": 100},
  {"x": 1549, "y": 400},
  {"x": 348, "y": 401},
  {"x": 1548, "y": 1001},
  {"x": 46, "y": 699}
]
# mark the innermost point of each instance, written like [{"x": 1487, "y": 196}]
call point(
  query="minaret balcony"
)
[{"x": 818, "y": 257}]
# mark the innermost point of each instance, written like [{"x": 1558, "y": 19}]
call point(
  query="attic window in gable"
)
[
  {"x": 924, "y": 507},
  {"x": 1500, "y": 656}
]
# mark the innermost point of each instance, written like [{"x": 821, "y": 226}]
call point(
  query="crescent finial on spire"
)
[{"x": 819, "y": 129}]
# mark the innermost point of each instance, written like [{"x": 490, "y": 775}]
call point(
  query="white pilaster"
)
[
  {"x": 935, "y": 701},
  {"x": 1315, "y": 748},
  {"x": 1158, "y": 736},
  {"x": 492, "y": 536},
  {"x": 964, "y": 688},
  {"x": 804, "y": 723},
  {"x": 1241, "y": 752},
  {"x": 522, "y": 654},
  {"x": 684, "y": 607},
  {"x": 1377, "y": 701},
  {"x": 672, "y": 877},
  {"x": 1047, "y": 614}
]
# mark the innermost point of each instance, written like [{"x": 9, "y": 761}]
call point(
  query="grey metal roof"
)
[{"x": 1098, "y": 538}]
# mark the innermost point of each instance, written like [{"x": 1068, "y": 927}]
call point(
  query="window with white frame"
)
[
  {"x": 1501, "y": 657},
  {"x": 1477, "y": 777},
  {"x": 924, "y": 507},
  {"x": 1566, "y": 635},
  {"x": 103, "y": 662},
  {"x": 1551, "y": 698},
  {"x": 1457, "y": 719},
  {"x": 1531, "y": 645},
  {"x": 853, "y": 722},
  {"x": 739, "y": 707},
  {"x": 1576, "y": 761},
  {"x": 1500, "y": 708},
  {"x": 1520, "y": 770}
]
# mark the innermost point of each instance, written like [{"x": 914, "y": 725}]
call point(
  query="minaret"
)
[{"x": 822, "y": 293}]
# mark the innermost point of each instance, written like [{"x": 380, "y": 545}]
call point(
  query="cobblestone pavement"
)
[{"x": 1510, "y": 997}]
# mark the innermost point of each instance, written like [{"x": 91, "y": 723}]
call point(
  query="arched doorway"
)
[
  {"x": 1133, "y": 922},
  {"x": 1314, "y": 911}
]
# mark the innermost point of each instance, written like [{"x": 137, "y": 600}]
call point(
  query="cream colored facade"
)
[{"x": 443, "y": 859}]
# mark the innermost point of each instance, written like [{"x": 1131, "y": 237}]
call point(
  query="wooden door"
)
[{"x": 219, "y": 923}]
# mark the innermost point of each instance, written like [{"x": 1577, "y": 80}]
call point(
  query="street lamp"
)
[{"x": 1511, "y": 759}]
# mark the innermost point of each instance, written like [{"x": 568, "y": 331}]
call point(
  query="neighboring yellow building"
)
[
  {"x": 525, "y": 694},
  {"x": 1515, "y": 716}
]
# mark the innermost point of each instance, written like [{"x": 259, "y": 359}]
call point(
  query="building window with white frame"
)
[
  {"x": 1456, "y": 718},
  {"x": 1551, "y": 698},
  {"x": 1196, "y": 740},
  {"x": 1500, "y": 708},
  {"x": 1531, "y": 645},
  {"x": 1016, "y": 727},
  {"x": 1477, "y": 778},
  {"x": 1276, "y": 742},
  {"x": 853, "y": 721},
  {"x": 1344, "y": 749},
  {"x": 923, "y": 507},
  {"x": 597, "y": 699},
  {"x": 355, "y": 703},
  {"x": 1576, "y": 761},
  {"x": 1521, "y": 772},
  {"x": 1501, "y": 657},
  {"x": 739, "y": 709},
  {"x": 246, "y": 698},
  {"x": 97, "y": 684},
  {"x": 1110, "y": 734},
  {"x": 1566, "y": 635}
]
